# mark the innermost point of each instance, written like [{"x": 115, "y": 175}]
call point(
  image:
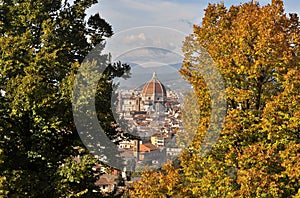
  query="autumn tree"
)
[
  {"x": 42, "y": 44},
  {"x": 256, "y": 49}
]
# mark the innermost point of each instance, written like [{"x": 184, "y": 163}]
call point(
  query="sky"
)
[
  {"x": 178, "y": 14},
  {"x": 149, "y": 33}
]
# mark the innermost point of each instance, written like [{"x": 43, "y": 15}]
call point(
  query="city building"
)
[
  {"x": 153, "y": 114},
  {"x": 153, "y": 97}
]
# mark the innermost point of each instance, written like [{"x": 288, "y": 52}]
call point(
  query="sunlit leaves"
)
[{"x": 256, "y": 49}]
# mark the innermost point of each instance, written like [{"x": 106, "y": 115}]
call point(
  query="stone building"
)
[{"x": 153, "y": 97}]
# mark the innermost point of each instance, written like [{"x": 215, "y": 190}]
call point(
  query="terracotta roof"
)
[
  {"x": 147, "y": 147},
  {"x": 106, "y": 179},
  {"x": 154, "y": 87},
  {"x": 142, "y": 116}
]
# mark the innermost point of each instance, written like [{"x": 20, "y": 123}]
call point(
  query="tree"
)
[
  {"x": 77, "y": 177},
  {"x": 256, "y": 49},
  {"x": 42, "y": 44}
]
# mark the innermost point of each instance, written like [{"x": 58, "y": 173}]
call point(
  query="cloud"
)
[
  {"x": 146, "y": 44},
  {"x": 178, "y": 15},
  {"x": 135, "y": 38},
  {"x": 124, "y": 14}
]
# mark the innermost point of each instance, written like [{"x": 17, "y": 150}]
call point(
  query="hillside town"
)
[
  {"x": 152, "y": 114},
  {"x": 83, "y": 115}
]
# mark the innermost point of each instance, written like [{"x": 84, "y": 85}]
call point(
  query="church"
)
[
  {"x": 150, "y": 113},
  {"x": 152, "y": 97}
]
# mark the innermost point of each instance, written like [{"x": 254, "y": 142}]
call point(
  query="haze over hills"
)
[{"x": 167, "y": 74}]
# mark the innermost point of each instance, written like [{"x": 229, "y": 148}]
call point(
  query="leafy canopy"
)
[
  {"x": 256, "y": 49},
  {"x": 42, "y": 44}
]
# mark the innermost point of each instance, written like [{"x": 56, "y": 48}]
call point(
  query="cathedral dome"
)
[{"x": 154, "y": 91}]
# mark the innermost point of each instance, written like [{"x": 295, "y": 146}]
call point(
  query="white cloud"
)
[
  {"x": 135, "y": 38},
  {"x": 129, "y": 41},
  {"x": 179, "y": 14},
  {"x": 146, "y": 44},
  {"x": 124, "y": 14}
]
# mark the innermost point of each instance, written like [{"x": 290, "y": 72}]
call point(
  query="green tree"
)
[
  {"x": 256, "y": 49},
  {"x": 42, "y": 44},
  {"x": 77, "y": 177}
]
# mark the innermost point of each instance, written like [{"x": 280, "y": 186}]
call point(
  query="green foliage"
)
[
  {"x": 42, "y": 44},
  {"x": 77, "y": 177}
]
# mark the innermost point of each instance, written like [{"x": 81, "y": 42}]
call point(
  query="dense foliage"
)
[
  {"x": 42, "y": 43},
  {"x": 256, "y": 49}
]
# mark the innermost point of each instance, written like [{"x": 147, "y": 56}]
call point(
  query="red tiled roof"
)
[
  {"x": 152, "y": 86},
  {"x": 147, "y": 147}
]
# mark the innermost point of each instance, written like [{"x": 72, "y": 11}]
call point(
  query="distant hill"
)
[{"x": 140, "y": 75}]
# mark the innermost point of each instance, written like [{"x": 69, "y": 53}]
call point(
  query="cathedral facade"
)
[{"x": 152, "y": 97}]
